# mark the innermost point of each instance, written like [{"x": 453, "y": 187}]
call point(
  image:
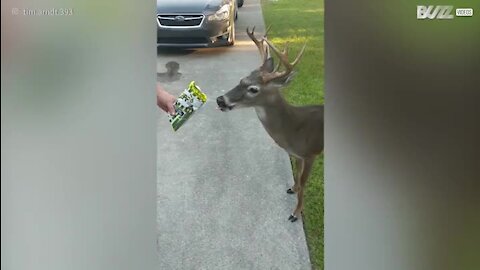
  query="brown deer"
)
[{"x": 298, "y": 130}]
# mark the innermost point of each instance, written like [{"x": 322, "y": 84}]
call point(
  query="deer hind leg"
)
[
  {"x": 307, "y": 168},
  {"x": 299, "y": 166}
]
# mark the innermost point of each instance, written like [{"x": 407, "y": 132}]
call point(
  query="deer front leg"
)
[
  {"x": 299, "y": 166},
  {"x": 307, "y": 168}
]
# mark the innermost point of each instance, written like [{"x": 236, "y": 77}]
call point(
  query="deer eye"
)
[{"x": 253, "y": 89}]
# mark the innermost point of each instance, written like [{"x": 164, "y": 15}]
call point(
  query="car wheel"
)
[{"x": 240, "y": 3}]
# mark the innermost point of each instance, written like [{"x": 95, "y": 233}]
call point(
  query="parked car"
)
[{"x": 196, "y": 23}]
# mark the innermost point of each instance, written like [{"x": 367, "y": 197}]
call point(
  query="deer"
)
[{"x": 296, "y": 129}]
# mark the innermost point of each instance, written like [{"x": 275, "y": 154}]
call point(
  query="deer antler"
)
[
  {"x": 283, "y": 57},
  {"x": 264, "y": 50}
]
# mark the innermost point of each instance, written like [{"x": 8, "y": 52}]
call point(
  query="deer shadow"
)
[{"x": 172, "y": 73}]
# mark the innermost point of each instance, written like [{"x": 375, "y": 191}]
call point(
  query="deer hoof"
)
[
  {"x": 290, "y": 191},
  {"x": 292, "y": 218}
]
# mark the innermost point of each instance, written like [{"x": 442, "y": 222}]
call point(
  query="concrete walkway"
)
[{"x": 221, "y": 179}]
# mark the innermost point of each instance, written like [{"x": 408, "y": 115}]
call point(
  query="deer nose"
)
[{"x": 221, "y": 102}]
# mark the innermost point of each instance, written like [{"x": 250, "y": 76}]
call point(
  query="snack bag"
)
[{"x": 187, "y": 103}]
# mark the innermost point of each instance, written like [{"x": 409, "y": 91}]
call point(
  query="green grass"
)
[{"x": 297, "y": 22}]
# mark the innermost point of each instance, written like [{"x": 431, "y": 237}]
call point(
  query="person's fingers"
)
[
  {"x": 171, "y": 105},
  {"x": 171, "y": 109}
]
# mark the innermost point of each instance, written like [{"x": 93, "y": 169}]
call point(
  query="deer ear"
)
[
  {"x": 282, "y": 82},
  {"x": 267, "y": 65}
]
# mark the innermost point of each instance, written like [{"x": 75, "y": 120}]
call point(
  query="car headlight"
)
[{"x": 221, "y": 15}]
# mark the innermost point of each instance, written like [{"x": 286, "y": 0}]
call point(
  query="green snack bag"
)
[{"x": 187, "y": 103}]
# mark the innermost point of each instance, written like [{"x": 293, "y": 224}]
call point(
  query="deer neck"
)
[{"x": 276, "y": 115}]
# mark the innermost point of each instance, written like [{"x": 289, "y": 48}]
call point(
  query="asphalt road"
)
[{"x": 221, "y": 179}]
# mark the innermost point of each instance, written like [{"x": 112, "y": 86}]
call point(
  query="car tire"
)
[{"x": 240, "y": 3}]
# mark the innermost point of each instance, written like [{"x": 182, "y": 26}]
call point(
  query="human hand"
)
[{"x": 165, "y": 100}]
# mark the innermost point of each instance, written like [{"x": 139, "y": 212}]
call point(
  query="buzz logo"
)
[{"x": 434, "y": 12}]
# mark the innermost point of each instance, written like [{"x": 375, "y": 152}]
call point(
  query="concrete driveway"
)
[{"x": 221, "y": 179}]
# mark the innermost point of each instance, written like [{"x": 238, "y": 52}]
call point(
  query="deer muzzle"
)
[{"x": 223, "y": 104}]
